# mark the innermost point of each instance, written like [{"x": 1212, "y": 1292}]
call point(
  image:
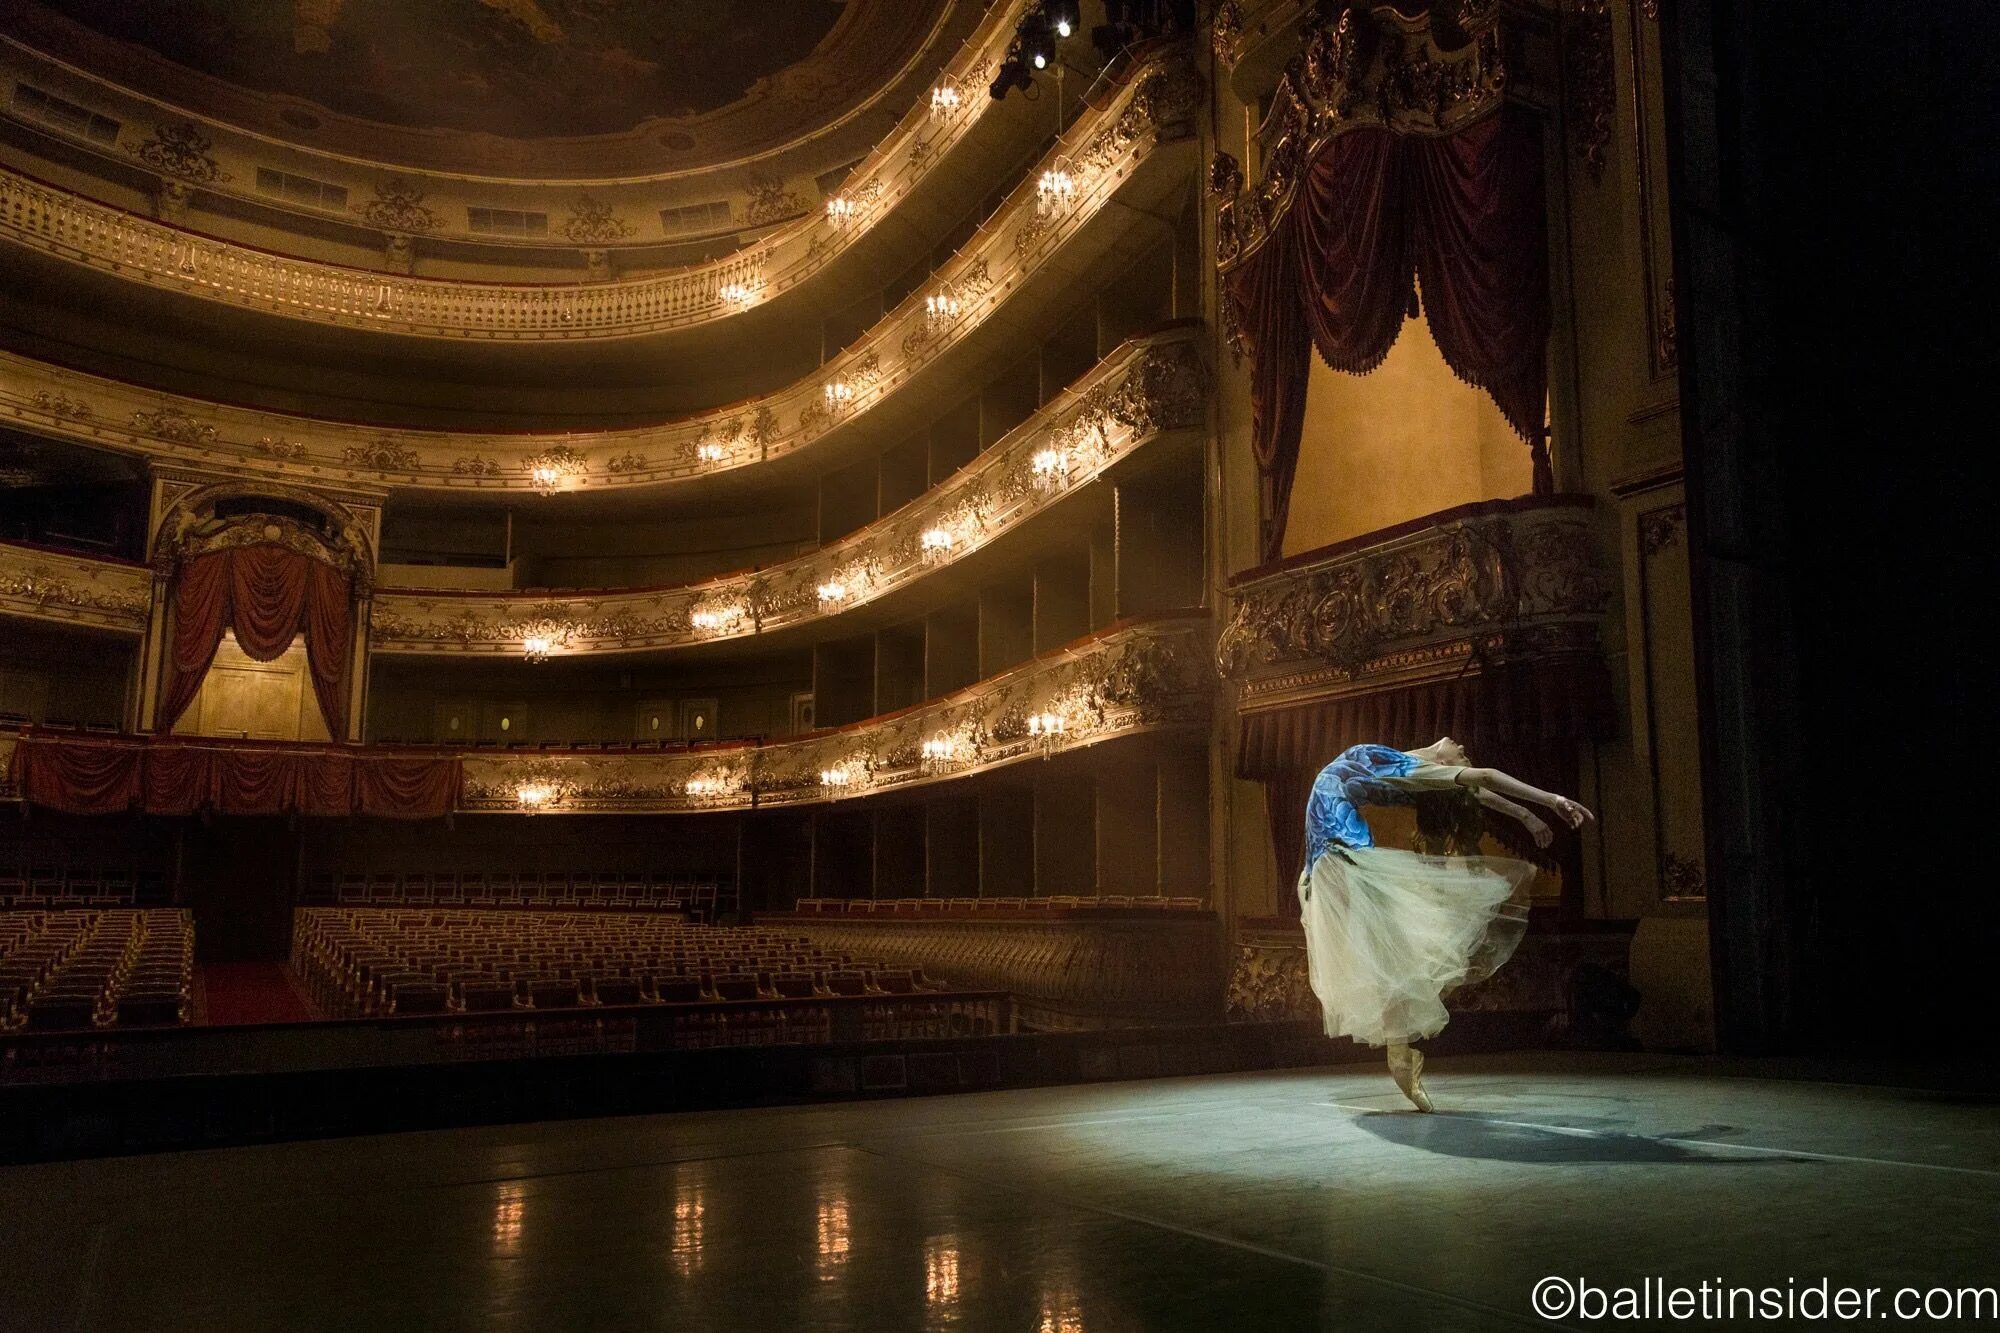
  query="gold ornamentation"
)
[
  {"x": 1140, "y": 678},
  {"x": 62, "y": 405},
  {"x": 1225, "y": 27},
  {"x": 384, "y": 455},
  {"x": 1660, "y": 528},
  {"x": 770, "y": 201},
  {"x": 626, "y": 463},
  {"x": 472, "y": 465},
  {"x": 1379, "y": 68},
  {"x": 593, "y": 222},
  {"x": 1269, "y": 983},
  {"x": 1589, "y": 81},
  {"x": 183, "y": 151},
  {"x": 167, "y": 424},
  {"x": 277, "y": 446},
  {"x": 1667, "y": 336},
  {"x": 398, "y": 206},
  {"x": 46, "y": 585},
  {"x": 1501, "y": 572}
]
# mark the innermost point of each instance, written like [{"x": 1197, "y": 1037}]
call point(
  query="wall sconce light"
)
[
  {"x": 536, "y": 648},
  {"x": 534, "y": 797},
  {"x": 1056, "y": 189},
  {"x": 839, "y": 394},
  {"x": 945, "y": 97},
  {"x": 937, "y": 544},
  {"x": 941, "y": 308},
  {"x": 710, "y": 451},
  {"x": 832, "y": 592},
  {"x": 717, "y": 618},
  {"x": 1049, "y": 467},
  {"x": 736, "y": 293},
  {"x": 837, "y": 779},
  {"x": 707, "y": 787},
  {"x": 842, "y": 209},
  {"x": 1046, "y": 730},
  {"x": 555, "y": 469}
]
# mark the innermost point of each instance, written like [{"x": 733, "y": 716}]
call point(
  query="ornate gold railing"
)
[
  {"x": 1136, "y": 677},
  {"x": 1102, "y": 152},
  {"x": 1494, "y": 580},
  {"x": 56, "y": 222},
  {"x": 74, "y": 589},
  {"x": 1149, "y": 387}
]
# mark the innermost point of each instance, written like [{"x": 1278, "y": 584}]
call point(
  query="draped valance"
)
[
  {"x": 94, "y": 775},
  {"x": 1380, "y": 220},
  {"x": 268, "y": 593}
]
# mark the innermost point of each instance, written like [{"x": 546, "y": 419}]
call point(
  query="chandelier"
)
[
  {"x": 556, "y": 468},
  {"x": 1056, "y": 188},
  {"x": 946, "y": 97}
]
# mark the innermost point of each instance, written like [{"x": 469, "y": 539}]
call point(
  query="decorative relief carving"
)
[
  {"x": 181, "y": 150},
  {"x": 1513, "y": 571},
  {"x": 380, "y": 455},
  {"x": 277, "y": 446},
  {"x": 1666, "y": 331},
  {"x": 1224, "y": 27},
  {"x": 1589, "y": 81},
  {"x": 592, "y": 221},
  {"x": 167, "y": 424},
  {"x": 1681, "y": 877},
  {"x": 46, "y": 586},
  {"x": 1268, "y": 982},
  {"x": 1380, "y": 67},
  {"x": 62, "y": 405},
  {"x": 770, "y": 201},
  {"x": 473, "y": 465},
  {"x": 1141, "y": 677},
  {"x": 1660, "y": 528},
  {"x": 1152, "y": 387},
  {"x": 398, "y": 206},
  {"x": 626, "y": 463}
]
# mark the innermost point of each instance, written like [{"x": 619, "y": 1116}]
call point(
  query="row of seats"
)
[
  {"x": 957, "y": 907},
  {"x": 377, "y": 961},
  {"x": 64, "y": 970},
  {"x": 636, "y": 891},
  {"x": 83, "y": 884}
]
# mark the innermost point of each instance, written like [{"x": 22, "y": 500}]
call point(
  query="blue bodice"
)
[{"x": 1362, "y": 775}]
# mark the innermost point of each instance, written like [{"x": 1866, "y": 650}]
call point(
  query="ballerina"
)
[{"x": 1389, "y": 932}]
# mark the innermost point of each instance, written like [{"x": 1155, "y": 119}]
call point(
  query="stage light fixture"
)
[
  {"x": 1038, "y": 41},
  {"x": 1065, "y": 16}
]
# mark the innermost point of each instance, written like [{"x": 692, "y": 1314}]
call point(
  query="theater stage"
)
[{"x": 1295, "y": 1199}]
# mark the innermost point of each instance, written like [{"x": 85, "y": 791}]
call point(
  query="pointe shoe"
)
[{"x": 1409, "y": 1075}]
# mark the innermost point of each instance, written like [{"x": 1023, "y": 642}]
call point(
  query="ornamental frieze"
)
[
  {"x": 406, "y": 202},
  {"x": 1150, "y": 387},
  {"x": 1355, "y": 68},
  {"x": 1137, "y": 678},
  {"x": 47, "y": 585},
  {"x": 984, "y": 276},
  {"x": 1530, "y": 571}
]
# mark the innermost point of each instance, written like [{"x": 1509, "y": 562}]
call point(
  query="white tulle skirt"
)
[{"x": 1390, "y": 932}]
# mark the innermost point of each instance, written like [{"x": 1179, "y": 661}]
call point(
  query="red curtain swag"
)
[
  {"x": 267, "y": 594},
  {"x": 92, "y": 776},
  {"x": 1378, "y": 217}
]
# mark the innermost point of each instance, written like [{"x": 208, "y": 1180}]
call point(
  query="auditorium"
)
[{"x": 1050, "y": 665}]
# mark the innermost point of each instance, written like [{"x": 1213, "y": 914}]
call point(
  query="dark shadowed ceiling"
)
[{"x": 516, "y": 68}]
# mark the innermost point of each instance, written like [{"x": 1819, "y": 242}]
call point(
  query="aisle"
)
[{"x": 249, "y": 993}]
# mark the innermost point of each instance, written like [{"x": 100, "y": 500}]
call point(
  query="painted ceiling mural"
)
[{"x": 514, "y": 68}]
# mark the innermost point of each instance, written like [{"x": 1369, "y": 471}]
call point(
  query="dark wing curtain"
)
[
  {"x": 268, "y": 594},
  {"x": 1378, "y": 217}
]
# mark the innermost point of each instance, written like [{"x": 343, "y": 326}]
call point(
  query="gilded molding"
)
[
  {"x": 55, "y": 221},
  {"x": 1527, "y": 579},
  {"x": 1590, "y": 88},
  {"x": 76, "y": 590},
  {"x": 985, "y": 274},
  {"x": 1380, "y": 68},
  {"x": 1148, "y": 388},
  {"x": 1137, "y": 678}
]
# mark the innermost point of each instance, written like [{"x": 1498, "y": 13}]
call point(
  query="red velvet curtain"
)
[
  {"x": 1378, "y": 216},
  {"x": 268, "y": 594},
  {"x": 161, "y": 776}
]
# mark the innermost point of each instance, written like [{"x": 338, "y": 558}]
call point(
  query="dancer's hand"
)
[
  {"x": 1573, "y": 812},
  {"x": 1538, "y": 829}
]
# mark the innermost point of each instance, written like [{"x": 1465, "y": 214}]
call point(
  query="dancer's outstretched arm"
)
[
  {"x": 1537, "y": 827},
  {"x": 1493, "y": 780}
]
